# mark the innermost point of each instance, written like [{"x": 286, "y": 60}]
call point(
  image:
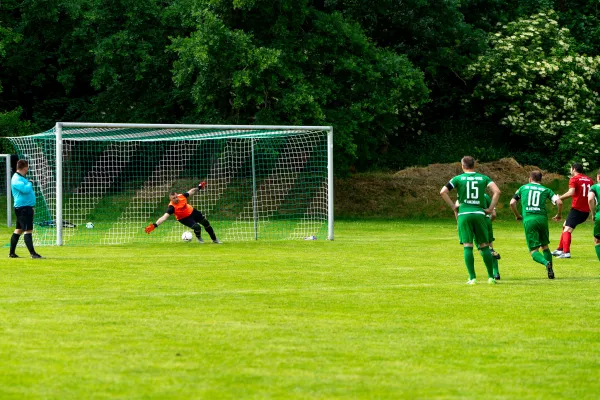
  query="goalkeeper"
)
[{"x": 186, "y": 214}]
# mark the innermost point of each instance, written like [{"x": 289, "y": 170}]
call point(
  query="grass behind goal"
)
[{"x": 381, "y": 312}]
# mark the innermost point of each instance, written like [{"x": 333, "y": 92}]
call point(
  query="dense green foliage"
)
[
  {"x": 391, "y": 76},
  {"x": 379, "y": 313}
]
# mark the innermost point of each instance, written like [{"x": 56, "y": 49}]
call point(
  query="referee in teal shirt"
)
[{"x": 24, "y": 197}]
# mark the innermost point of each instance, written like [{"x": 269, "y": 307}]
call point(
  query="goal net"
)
[{"x": 103, "y": 183}]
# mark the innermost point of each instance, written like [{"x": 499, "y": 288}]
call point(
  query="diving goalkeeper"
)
[{"x": 186, "y": 214}]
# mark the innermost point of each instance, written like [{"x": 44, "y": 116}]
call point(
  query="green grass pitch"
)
[{"x": 381, "y": 312}]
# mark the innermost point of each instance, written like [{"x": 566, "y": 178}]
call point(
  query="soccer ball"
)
[
  {"x": 89, "y": 225},
  {"x": 186, "y": 236}
]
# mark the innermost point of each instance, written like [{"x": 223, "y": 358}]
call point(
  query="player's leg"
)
[
  {"x": 494, "y": 253},
  {"x": 536, "y": 233},
  {"x": 481, "y": 234},
  {"x": 14, "y": 239},
  {"x": 28, "y": 228},
  {"x": 197, "y": 215},
  {"x": 465, "y": 235},
  {"x": 597, "y": 237},
  {"x": 191, "y": 223},
  {"x": 574, "y": 218}
]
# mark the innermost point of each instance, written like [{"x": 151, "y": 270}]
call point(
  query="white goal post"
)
[
  {"x": 263, "y": 181},
  {"x": 8, "y": 189}
]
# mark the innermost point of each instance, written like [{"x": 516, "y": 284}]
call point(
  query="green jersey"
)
[
  {"x": 471, "y": 192},
  {"x": 596, "y": 189},
  {"x": 533, "y": 198}
]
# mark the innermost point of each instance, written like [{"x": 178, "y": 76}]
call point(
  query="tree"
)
[
  {"x": 295, "y": 64},
  {"x": 534, "y": 82}
]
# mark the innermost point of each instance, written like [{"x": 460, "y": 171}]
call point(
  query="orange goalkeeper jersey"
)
[{"x": 182, "y": 209}]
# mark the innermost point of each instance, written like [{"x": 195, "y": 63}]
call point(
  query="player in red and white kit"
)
[{"x": 579, "y": 187}]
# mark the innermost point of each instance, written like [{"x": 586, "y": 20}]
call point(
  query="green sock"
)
[
  {"x": 470, "y": 262},
  {"x": 495, "y": 266},
  {"x": 539, "y": 258},
  {"x": 548, "y": 255},
  {"x": 488, "y": 259},
  {"x": 598, "y": 251}
]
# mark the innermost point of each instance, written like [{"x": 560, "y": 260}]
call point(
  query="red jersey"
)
[
  {"x": 582, "y": 185},
  {"x": 181, "y": 209}
]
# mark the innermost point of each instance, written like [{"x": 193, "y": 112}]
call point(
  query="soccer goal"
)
[{"x": 103, "y": 182}]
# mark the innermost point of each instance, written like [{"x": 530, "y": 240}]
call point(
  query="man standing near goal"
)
[
  {"x": 579, "y": 188},
  {"x": 593, "y": 197},
  {"x": 472, "y": 224},
  {"x": 186, "y": 214},
  {"x": 24, "y": 201},
  {"x": 533, "y": 198}
]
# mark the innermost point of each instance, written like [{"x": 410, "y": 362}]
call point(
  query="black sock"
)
[
  {"x": 29, "y": 243},
  {"x": 13, "y": 242},
  {"x": 211, "y": 232},
  {"x": 198, "y": 233}
]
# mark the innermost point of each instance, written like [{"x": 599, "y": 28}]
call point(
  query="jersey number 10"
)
[{"x": 533, "y": 198}]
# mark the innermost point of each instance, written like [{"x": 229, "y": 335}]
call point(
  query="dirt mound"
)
[
  {"x": 414, "y": 192},
  {"x": 505, "y": 170}
]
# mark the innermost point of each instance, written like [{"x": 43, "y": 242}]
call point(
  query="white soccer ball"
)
[
  {"x": 89, "y": 225},
  {"x": 186, "y": 236}
]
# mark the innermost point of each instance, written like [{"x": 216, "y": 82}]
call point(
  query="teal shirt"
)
[{"x": 22, "y": 191}]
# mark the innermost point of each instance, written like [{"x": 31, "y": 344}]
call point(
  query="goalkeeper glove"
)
[
  {"x": 150, "y": 228},
  {"x": 201, "y": 185}
]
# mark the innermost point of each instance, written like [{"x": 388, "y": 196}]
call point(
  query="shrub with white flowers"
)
[{"x": 537, "y": 85}]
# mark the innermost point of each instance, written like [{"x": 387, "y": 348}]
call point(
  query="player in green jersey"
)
[
  {"x": 471, "y": 214},
  {"x": 489, "y": 219},
  {"x": 533, "y": 198},
  {"x": 593, "y": 197}
]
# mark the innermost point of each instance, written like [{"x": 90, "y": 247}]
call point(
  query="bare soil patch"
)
[{"x": 414, "y": 192}]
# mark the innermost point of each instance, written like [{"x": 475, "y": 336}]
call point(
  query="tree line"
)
[{"x": 403, "y": 82}]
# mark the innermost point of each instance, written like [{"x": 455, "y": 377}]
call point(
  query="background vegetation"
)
[{"x": 404, "y": 83}]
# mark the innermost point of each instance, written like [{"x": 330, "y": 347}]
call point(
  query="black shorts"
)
[
  {"x": 576, "y": 217},
  {"x": 195, "y": 216},
  {"x": 24, "y": 218}
]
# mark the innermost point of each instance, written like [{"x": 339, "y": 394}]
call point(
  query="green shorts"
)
[
  {"x": 597, "y": 228},
  {"x": 536, "y": 232},
  {"x": 473, "y": 228},
  {"x": 490, "y": 230}
]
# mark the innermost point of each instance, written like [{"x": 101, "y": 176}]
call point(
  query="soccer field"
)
[{"x": 381, "y": 312}]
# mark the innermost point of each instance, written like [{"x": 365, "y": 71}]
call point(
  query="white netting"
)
[{"x": 260, "y": 184}]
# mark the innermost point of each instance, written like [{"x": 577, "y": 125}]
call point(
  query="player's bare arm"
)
[
  {"x": 559, "y": 205},
  {"x": 192, "y": 191},
  {"x": 513, "y": 207},
  {"x": 444, "y": 193},
  {"x": 163, "y": 218},
  {"x": 155, "y": 225},
  {"x": 495, "y": 197},
  {"x": 568, "y": 193}
]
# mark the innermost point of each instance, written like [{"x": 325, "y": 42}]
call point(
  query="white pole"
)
[
  {"x": 330, "y": 182},
  {"x": 254, "y": 195},
  {"x": 184, "y": 126},
  {"x": 8, "y": 192},
  {"x": 59, "y": 184}
]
